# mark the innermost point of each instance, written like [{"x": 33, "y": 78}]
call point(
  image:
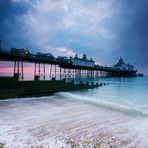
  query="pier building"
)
[
  {"x": 45, "y": 56},
  {"x": 82, "y": 61},
  {"x": 125, "y": 69},
  {"x": 20, "y": 52},
  {"x": 123, "y": 66}
]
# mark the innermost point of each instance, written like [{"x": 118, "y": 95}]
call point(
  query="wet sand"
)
[{"x": 57, "y": 122}]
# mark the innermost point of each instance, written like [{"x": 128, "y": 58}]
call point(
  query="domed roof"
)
[
  {"x": 84, "y": 56},
  {"x": 76, "y": 57}
]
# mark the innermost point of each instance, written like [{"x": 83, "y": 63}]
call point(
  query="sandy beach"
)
[{"x": 56, "y": 122}]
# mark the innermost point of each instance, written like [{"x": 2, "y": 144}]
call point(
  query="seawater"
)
[
  {"x": 129, "y": 95},
  {"x": 116, "y": 113}
]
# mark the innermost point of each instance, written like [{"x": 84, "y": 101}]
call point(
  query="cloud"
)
[
  {"x": 65, "y": 51},
  {"x": 104, "y": 29},
  {"x": 53, "y": 23}
]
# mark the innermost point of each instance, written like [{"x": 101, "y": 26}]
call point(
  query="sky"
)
[{"x": 103, "y": 29}]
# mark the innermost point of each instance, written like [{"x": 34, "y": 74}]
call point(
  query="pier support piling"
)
[
  {"x": 50, "y": 74},
  {"x": 37, "y": 71},
  {"x": 18, "y": 70},
  {"x": 44, "y": 72}
]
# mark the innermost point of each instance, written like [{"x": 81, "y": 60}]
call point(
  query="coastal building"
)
[
  {"x": 82, "y": 61},
  {"x": 123, "y": 69},
  {"x": 20, "y": 52},
  {"x": 63, "y": 59},
  {"x": 45, "y": 56},
  {"x": 123, "y": 66}
]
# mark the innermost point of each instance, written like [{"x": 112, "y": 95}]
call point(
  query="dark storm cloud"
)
[
  {"x": 132, "y": 30},
  {"x": 130, "y": 26},
  {"x": 105, "y": 29},
  {"x": 11, "y": 28},
  {"x": 9, "y": 9}
]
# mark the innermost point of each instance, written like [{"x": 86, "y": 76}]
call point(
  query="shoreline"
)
[
  {"x": 57, "y": 122},
  {"x": 104, "y": 117}
]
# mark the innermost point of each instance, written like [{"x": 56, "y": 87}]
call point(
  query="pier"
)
[
  {"x": 73, "y": 67},
  {"x": 64, "y": 74}
]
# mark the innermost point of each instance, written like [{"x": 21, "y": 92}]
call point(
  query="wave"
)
[{"x": 129, "y": 109}]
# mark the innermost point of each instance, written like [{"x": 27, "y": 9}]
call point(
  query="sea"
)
[{"x": 114, "y": 114}]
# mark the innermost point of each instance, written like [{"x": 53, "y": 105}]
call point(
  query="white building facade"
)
[{"x": 82, "y": 61}]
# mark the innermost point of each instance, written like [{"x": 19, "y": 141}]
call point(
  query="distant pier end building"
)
[{"x": 124, "y": 69}]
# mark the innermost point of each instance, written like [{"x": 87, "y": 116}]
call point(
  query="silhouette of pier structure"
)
[{"x": 62, "y": 67}]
